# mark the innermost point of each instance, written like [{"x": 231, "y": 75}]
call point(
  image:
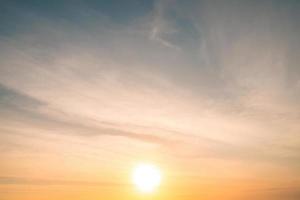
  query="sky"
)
[{"x": 208, "y": 91}]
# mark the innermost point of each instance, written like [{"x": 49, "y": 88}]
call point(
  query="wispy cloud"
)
[
  {"x": 201, "y": 83},
  {"x": 48, "y": 182}
]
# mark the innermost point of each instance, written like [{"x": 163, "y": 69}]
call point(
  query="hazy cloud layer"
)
[{"x": 197, "y": 83}]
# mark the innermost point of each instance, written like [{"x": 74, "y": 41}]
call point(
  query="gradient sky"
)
[{"x": 209, "y": 91}]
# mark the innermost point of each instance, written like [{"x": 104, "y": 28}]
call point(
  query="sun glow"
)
[{"x": 146, "y": 177}]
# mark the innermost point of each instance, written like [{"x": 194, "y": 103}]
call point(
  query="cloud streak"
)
[{"x": 47, "y": 182}]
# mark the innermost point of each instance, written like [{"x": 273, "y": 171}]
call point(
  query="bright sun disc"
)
[{"x": 146, "y": 177}]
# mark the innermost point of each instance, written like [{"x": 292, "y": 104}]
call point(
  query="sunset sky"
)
[{"x": 206, "y": 91}]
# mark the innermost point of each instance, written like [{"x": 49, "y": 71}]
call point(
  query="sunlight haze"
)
[{"x": 149, "y": 99}]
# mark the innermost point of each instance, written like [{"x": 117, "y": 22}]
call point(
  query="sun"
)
[{"x": 146, "y": 177}]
